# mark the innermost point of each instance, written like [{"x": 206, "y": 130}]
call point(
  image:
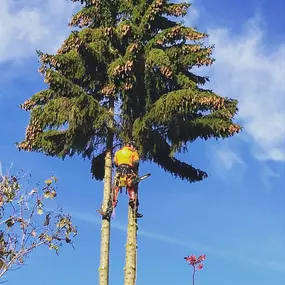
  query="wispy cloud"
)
[
  {"x": 28, "y": 25},
  {"x": 227, "y": 162},
  {"x": 228, "y": 158},
  {"x": 193, "y": 14},
  {"x": 191, "y": 245},
  {"x": 267, "y": 175},
  {"x": 251, "y": 70}
]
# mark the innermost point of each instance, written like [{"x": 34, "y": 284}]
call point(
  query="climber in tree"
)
[{"x": 127, "y": 162}]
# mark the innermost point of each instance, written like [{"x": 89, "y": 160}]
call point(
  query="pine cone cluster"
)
[
  {"x": 191, "y": 48},
  {"x": 128, "y": 86},
  {"x": 234, "y": 129},
  {"x": 204, "y": 61},
  {"x": 156, "y": 7},
  {"x": 192, "y": 35},
  {"x": 28, "y": 105},
  {"x": 81, "y": 20},
  {"x": 109, "y": 32},
  {"x": 32, "y": 132},
  {"x": 125, "y": 30},
  {"x": 127, "y": 68},
  {"x": 108, "y": 90},
  {"x": 166, "y": 71},
  {"x": 69, "y": 44},
  {"x": 214, "y": 101},
  {"x": 134, "y": 48},
  {"x": 177, "y": 10}
]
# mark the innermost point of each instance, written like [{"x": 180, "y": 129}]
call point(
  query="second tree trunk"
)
[
  {"x": 131, "y": 249},
  {"x": 105, "y": 229}
]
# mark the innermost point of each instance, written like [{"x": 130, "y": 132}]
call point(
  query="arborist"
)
[{"x": 127, "y": 162}]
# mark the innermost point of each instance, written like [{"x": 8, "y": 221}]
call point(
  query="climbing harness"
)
[{"x": 124, "y": 177}]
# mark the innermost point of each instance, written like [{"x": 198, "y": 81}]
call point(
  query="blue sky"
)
[{"x": 235, "y": 217}]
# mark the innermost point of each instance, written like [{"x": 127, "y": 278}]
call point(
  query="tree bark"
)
[
  {"x": 131, "y": 249},
  {"x": 105, "y": 229}
]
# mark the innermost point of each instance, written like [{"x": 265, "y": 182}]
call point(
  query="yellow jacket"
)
[{"x": 126, "y": 156}]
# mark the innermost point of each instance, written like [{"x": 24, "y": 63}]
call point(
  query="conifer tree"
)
[{"x": 133, "y": 54}]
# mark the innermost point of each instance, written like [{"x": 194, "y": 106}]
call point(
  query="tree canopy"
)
[{"x": 138, "y": 54}]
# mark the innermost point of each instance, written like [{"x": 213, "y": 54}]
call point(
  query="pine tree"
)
[{"x": 133, "y": 54}]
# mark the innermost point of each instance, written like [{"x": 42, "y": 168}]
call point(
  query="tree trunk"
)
[
  {"x": 131, "y": 249},
  {"x": 105, "y": 229}
]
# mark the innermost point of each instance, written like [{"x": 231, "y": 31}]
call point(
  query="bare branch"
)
[{"x": 23, "y": 225}]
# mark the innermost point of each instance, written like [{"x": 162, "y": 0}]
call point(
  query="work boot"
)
[
  {"x": 101, "y": 212},
  {"x": 138, "y": 215}
]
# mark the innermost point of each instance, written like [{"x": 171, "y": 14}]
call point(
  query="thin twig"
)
[{"x": 193, "y": 275}]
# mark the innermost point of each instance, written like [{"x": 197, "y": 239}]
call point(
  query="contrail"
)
[{"x": 192, "y": 245}]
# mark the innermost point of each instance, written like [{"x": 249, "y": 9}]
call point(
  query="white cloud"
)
[
  {"x": 253, "y": 72},
  {"x": 274, "y": 154},
  {"x": 193, "y": 14},
  {"x": 29, "y": 25}
]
